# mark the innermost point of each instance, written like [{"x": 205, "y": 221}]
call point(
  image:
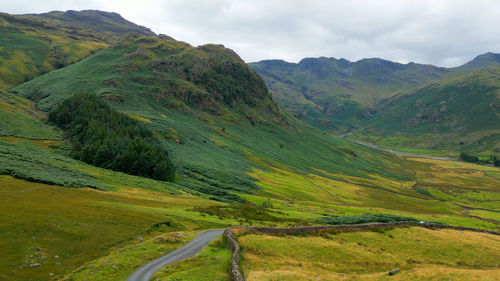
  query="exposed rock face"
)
[{"x": 394, "y": 272}]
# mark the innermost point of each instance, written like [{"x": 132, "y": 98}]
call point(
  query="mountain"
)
[
  {"x": 461, "y": 111},
  {"x": 212, "y": 112},
  {"x": 34, "y": 44},
  {"x": 343, "y": 96},
  {"x": 484, "y": 60},
  {"x": 333, "y": 93}
]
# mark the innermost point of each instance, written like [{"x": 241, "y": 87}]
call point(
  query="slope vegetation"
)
[
  {"x": 461, "y": 112},
  {"x": 35, "y": 44}
]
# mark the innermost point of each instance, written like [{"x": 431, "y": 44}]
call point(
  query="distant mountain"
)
[
  {"x": 34, "y": 44},
  {"x": 332, "y": 93},
  {"x": 480, "y": 61}
]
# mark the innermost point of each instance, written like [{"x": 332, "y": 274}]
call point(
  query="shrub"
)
[{"x": 334, "y": 220}]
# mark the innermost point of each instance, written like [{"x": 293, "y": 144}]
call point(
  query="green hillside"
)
[
  {"x": 208, "y": 108},
  {"x": 31, "y": 45},
  {"x": 457, "y": 113},
  {"x": 330, "y": 93}
]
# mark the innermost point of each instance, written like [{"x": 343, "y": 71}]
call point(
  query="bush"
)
[
  {"x": 106, "y": 138},
  {"x": 334, "y": 220}
]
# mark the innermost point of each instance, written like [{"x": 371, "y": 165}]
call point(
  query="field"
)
[
  {"x": 370, "y": 255},
  {"x": 51, "y": 229}
]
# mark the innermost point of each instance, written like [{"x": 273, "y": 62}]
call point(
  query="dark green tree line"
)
[{"x": 105, "y": 138}]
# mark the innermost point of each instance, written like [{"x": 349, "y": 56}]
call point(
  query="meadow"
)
[
  {"x": 370, "y": 255},
  {"x": 52, "y": 229}
]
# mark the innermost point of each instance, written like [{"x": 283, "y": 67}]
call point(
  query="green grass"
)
[
  {"x": 370, "y": 255},
  {"x": 212, "y": 263},
  {"x": 39, "y": 222},
  {"x": 122, "y": 261},
  {"x": 35, "y": 44}
]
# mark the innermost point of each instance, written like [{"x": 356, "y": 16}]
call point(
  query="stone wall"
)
[
  {"x": 365, "y": 226},
  {"x": 235, "y": 272}
]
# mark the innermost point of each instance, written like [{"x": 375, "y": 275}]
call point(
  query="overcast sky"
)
[{"x": 440, "y": 32}]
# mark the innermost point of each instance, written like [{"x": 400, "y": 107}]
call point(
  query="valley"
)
[{"x": 80, "y": 131}]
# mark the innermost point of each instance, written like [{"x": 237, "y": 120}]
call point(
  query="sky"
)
[{"x": 440, "y": 32}]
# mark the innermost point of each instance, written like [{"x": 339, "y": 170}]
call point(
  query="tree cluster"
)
[
  {"x": 491, "y": 160},
  {"x": 103, "y": 137}
]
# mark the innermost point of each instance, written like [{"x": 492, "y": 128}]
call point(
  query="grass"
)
[
  {"x": 36, "y": 44},
  {"x": 39, "y": 222},
  {"x": 121, "y": 262},
  {"x": 212, "y": 263},
  {"x": 371, "y": 255}
]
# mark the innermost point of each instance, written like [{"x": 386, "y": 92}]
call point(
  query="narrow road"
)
[
  {"x": 145, "y": 272},
  {"x": 400, "y": 152}
]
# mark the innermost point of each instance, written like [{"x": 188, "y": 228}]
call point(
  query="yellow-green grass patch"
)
[
  {"x": 212, "y": 263},
  {"x": 370, "y": 255},
  {"x": 39, "y": 222}
]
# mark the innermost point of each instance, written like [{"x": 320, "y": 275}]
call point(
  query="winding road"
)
[{"x": 145, "y": 272}]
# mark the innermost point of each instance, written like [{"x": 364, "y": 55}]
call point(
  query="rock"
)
[
  {"x": 140, "y": 239},
  {"x": 394, "y": 272},
  {"x": 35, "y": 265},
  {"x": 51, "y": 274},
  {"x": 56, "y": 257}
]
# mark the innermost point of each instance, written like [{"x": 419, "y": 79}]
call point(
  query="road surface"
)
[
  {"x": 400, "y": 152},
  {"x": 145, "y": 272}
]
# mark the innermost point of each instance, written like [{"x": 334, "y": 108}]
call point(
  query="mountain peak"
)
[
  {"x": 484, "y": 60},
  {"x": 95, "y": 20}
]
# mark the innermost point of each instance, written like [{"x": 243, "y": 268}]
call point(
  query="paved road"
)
[
  {"x": 400, "y": 152},
  {"x": 145, "y": 272}
]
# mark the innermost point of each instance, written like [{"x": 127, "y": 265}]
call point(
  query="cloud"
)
[{"x": 440, "y": 32}]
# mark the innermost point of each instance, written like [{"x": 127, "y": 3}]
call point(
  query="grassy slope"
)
[
  {"x": 41, "y": 221},
  {"x": 212, "y": 151},
  {"x": 371, "y": 255},
  {"x": 34, "y": 44},
  {"x": 457, "y": 113}
]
